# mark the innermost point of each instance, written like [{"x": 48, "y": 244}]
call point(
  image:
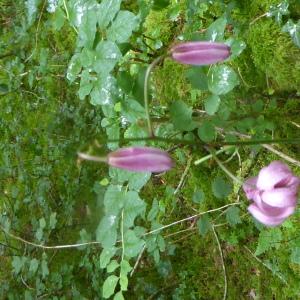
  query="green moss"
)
[
  {"x": 170, "y": 82},
  {"x": 274, "y": 53}
]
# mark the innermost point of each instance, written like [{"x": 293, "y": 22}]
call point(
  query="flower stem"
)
[{"x": 146, "y": 99}]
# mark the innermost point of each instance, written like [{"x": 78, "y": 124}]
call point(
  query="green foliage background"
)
[{"x": 49, "y": 93}]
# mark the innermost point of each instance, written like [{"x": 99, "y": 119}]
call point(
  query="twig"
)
[
  {"x": 256, "y": 19},
  {"x": 180, "y": 184},
  {"x": 266, "y": 266},
  {"x": 190, "y": 218},
  {"x": 138, "y": 260},
  {"x": 223, "y": 264}
]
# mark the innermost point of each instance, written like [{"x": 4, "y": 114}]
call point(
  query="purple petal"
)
[
  {"x": 200, "y": 53},
  {"x": 270, "y": 220},
  {"x": 249, "y": 187},
  {"x": 280, "y": 197},
  {"x": 141, "y": 159},
  {"x": 201, "y": 45},
  {"x": 275, "y": 173}
]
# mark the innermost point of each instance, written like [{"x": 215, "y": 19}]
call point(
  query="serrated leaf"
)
[
  {"x": 203, "y": 225},
  {"x": 113, "y": 265},
  {"x": 107, "y": 11},
  {"x": 34, "y": 264},
  {"x": 107, "y": 55},
  {"x": 221, "y": 188},
  {"x": 268, "y": 239},
  {"x": 212, "y": 104},
  {"x": 222, "y": 79},
  {"x": 133, "y": 245},
  {"x": 233, "y": 216},
  {"x": 215, "y": 32},
  {"x": 294, "y": 31},
  {"x": 181, "y": 116},
  {"x": 109, "y": 286},
  {"x": 117, "y": 31},
  {"x": 106, "y": 255},
  {"x": 18, "y": 263},
  {"x": 206, "y": 132}
]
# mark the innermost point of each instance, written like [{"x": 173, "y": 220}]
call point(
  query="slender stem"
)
[
  {"x": 203, "y": 159},
  {"x": 122, "y": 235},
  {"x": 191, "y": 218},
  {"x": 223, "y": 263},
  {"x": 146, "y": 83},
  {"x": 91, "y": 157}
]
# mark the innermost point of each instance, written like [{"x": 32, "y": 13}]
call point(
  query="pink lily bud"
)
[
  {"x": 200, "y": 53},
  {"x": 273, "y": 192},
  {"x": 140, "y": 159}
]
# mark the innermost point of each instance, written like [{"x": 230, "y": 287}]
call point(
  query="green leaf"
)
[
  {"x": 222, "y": 79},
  {"x": 53, "y": 220},
  {"x": 34, "y": 264},
  {"x": 132, "y": 110},
  {"x": 181, "y": 116},
  {"x": 221, "y": 188},
  {"x": 133, "y": 207},
  {"x": 295, "y": 255},
  {"x": 109, "y": 286},
  {"x": 45, "y": 270},
  {"x": 104, "y": 91},
  {"x": 197, "y": 78},
  {"x": 203, "y": 225},
  {"x": 18, "y": 263},
  {"x": 125, "y": 267},
  {"x": 74, "y": 67},
  {"x": 106, "y": 232},
  {"x": 58, "y": 19},
  {"x": 133, "y": 245},
  {"x": 198, "y": 196},
  {"x": 107, "y": 55},
  {"x": 3, "y": 88},
  {"x": 206, "y": 131},
  {"x": 123, "y": 282},
  {"x": 125, "y": 81},
  {"x": 294, "y": 30},
  {"x": 236, "y": 47},
  {"x": 279, "y": 10},
  {"x": 87, "y": 57},
  {"x": 268, "y": 239},
  {"x": 215, "y": 32},
  {"x": 153, "y": 211},
  {"x": 233, "y": 216},
  {"x": 119, "y": 296},
  {"x": 160, "y": 4},
  {"x": 42, "y": 222},
  {"x": 113, "y": 265},
  {"x": 117, "y": 31},
  {"x": 107, "y": 11},
  {"x": 32, "y": 8},
  {"x": 135, "y": 131},
  {"x": 114, "y": 199},
  {"x": 87, "y": 27},
  {"x": 212, "y": 104},
  {"x": 106, "y": 255},
  {"x": 85, "y": 85}
]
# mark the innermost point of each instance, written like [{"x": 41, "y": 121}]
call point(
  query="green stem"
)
[
  {"x": 203, "y": 159},
  {"x": 213, "y": 144},
  {"x": 146, "y": 100}
]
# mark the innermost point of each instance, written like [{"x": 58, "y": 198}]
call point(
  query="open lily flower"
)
[
  {"x": 273, "y": 192},
  {"x": 200, "y": 53}
]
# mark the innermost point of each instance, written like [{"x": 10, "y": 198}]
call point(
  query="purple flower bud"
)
[
  {"x": 273, "y": 192},
  {"x": 140, "y": 159},
  {"x": 200, "y": 53}
]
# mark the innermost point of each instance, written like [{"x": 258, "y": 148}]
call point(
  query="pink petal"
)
[
  {"x": 273, "y": 174},
  {"x": 280, "y": 197},
  {"x": 270, "y": 220},
  {"x": 249, "y": 187}
]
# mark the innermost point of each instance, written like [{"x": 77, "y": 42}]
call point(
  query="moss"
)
[{"x": 274, "y": 53}]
